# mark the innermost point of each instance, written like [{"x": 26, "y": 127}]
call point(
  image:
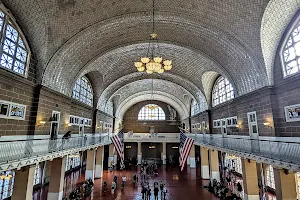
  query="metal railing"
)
[
  {"x": 156, "y": 137},
  {"x": 21, "y": 149},
  {"x": 283, "y": 151}
]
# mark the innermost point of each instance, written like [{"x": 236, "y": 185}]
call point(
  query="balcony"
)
[
  {"x": 278, "y": 151},
  {"x": 155, "y": 138},
  {"x": 19, "y": 153}
]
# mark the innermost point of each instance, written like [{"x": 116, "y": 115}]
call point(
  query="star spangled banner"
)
[
  {"x": 119, "y": 145},
  {"x": 185, "y": 147}
]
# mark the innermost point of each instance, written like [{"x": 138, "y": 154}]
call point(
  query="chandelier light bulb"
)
[
  {"x": 138, "y": 64},
  {"x": 145, "y": 60},
  {"x": 167, "y": 62},
  {"x": 168, "y": 67},
  {"x": 141, "y": 69},
  {"x": 150, "y": 66},
  {"x": 161, "y": 70},
  {"x": 157, "y": 59},
  {"x": 149, "y": 71}
]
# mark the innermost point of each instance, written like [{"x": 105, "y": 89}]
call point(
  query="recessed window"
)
[
  {"x": 7, "y": 184},
  {"x": 14, "y": 54},
  {"x": 222, "y": 91},
  {"x": 82, "y": 91},
  {"x": 151, "y": 112},
  {"x": 195, "y": 108},
  {"x": 290, "y": 54},
  {"x": 37, "y": 175}
]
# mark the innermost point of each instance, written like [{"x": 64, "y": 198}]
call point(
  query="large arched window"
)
[
  {"x": 151, "y": 112},
  {"x": 222, "y": 91},
  {"x": 290, "y": 52},
  {"x": 82, "y": 91},
  {"x": 195, "y": 108},
  {"x": 14, "y": 53}
]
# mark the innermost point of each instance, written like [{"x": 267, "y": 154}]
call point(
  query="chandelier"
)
[
  {"x": 152, "y": 107},
  {"x": 153, "y": 62}
]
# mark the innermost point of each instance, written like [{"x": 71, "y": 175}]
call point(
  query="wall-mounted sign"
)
[
  {"x": 17, "y": 111},
  {"x": 12, "y": 110},
  {"x": 292, "y": 113}
]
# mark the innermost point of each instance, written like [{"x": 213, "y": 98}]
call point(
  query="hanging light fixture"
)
[{"x": 153, "y": 63}]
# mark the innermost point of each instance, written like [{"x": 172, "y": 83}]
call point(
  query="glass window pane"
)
[
  {"x": 82, "y": 91},
  {"x": 222, "y": 91}
]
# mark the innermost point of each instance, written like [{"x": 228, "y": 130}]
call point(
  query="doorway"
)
[{"x": 54, "y": 127}]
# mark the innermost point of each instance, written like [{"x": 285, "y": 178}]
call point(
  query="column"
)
[
  {"x": 204, "y": 163},
  {"x": 164, "y": 153},
  {"x": 214, "y": 165},
  {"x": 110, "y": 154},
  {"x": 56, "y": 185},
  {"x": 139, "y": 156},
  {"x": 90, "y": 164},
  {"x": 285, "y": 184},
  {"x": 250, "y": 180},
  {"x": 99, "y": 162},
  {"x": 192, "y": 157},
  {"x": 23, "y": 184}
]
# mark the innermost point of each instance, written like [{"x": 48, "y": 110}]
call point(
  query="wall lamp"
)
[
  {"x": 267, "y": 124},
  {"x": 41, "y": 123}
]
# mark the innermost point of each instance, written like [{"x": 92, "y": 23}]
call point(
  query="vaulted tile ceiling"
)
[{"x": 204, "y": 38}]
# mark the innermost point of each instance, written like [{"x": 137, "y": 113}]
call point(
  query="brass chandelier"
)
[{"x": 154, "y": 62}]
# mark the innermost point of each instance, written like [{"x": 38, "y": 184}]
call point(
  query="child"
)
[{"x": 113, "y": 187}]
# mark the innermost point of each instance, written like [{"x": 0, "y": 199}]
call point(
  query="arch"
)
[
  {"x": 83, "y": 91},
  {"x": 146, "y": 95},
  {"x": 15, "y": 53},
  {"x": 151, "y": 112},
  {"x": 276, "y": 17},
  {"x": 103, "y": 36},
  {"x": 222, "y": 91}
]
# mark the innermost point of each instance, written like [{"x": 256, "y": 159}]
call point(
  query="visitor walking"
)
[
  {"x": 113, "y": 187},
  {"x": 165, "y": 191}
]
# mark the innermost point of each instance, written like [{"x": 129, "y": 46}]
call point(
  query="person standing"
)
[
  {"x": 165, "y": 191},
  {"x": 123, "y": 182},
  {"x": 143, "y": 192},
  {"x": 156, "y": 190},
  {"x": 161, "y": 186},
  {"x": 116, "y": 180},
  {"x": 148, "y": 193}
]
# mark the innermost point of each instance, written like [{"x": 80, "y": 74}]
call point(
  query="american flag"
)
[
  {"x": 119, "y": 144},
  {"x": 185, "y": 147}
]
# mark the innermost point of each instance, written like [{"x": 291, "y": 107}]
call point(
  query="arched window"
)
[
  {"x": 14, "y": 53},
  {"x": 37, "y": 175},
  {"x": 290, "y": 52},
  {"x": 151, "y": 112},
  {"x": 6, "y": 184},
  {"x": 195, "y": 108},
  {"x": 222, "y": 91},
  {"x": 82, "y": 91}
]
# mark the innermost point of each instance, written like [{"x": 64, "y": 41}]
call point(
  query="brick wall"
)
[
  {"x": 199, "y": 118},
  {"x": 131, "y": 122},
  {"x": 101, "y": 116},
  {"x": 18, "y": 90},
  {"x": 52, "y": 101},
  {"x": 259, "y": 101}
]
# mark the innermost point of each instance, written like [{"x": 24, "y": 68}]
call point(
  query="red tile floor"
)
[
  {"x": 186, "y": 185},
  {"x": 181, "y": 186}
]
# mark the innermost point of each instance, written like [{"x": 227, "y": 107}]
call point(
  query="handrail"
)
[
  {"x": 17, "y": 150},
  {"x": 283, "y": 151}
]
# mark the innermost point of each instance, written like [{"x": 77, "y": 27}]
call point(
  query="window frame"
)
[
  {"x": 9, "y": 18},
  {"x": 147, "y": 111},
  {"x": 216, "y": 83},
  {"x": 80, "y": 93},
  {"x": 282, "y": 48}
]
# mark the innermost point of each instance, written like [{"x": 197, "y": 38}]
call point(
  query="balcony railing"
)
[
  {"x": 282, "y": 151},
  {"x": 11, "y": 151},
  {"x": 155, "y": 137}
]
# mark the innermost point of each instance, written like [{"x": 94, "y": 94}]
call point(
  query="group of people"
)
[
  {"x": 84, "y": 190},
  {"x": 146, "y": 190}
]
